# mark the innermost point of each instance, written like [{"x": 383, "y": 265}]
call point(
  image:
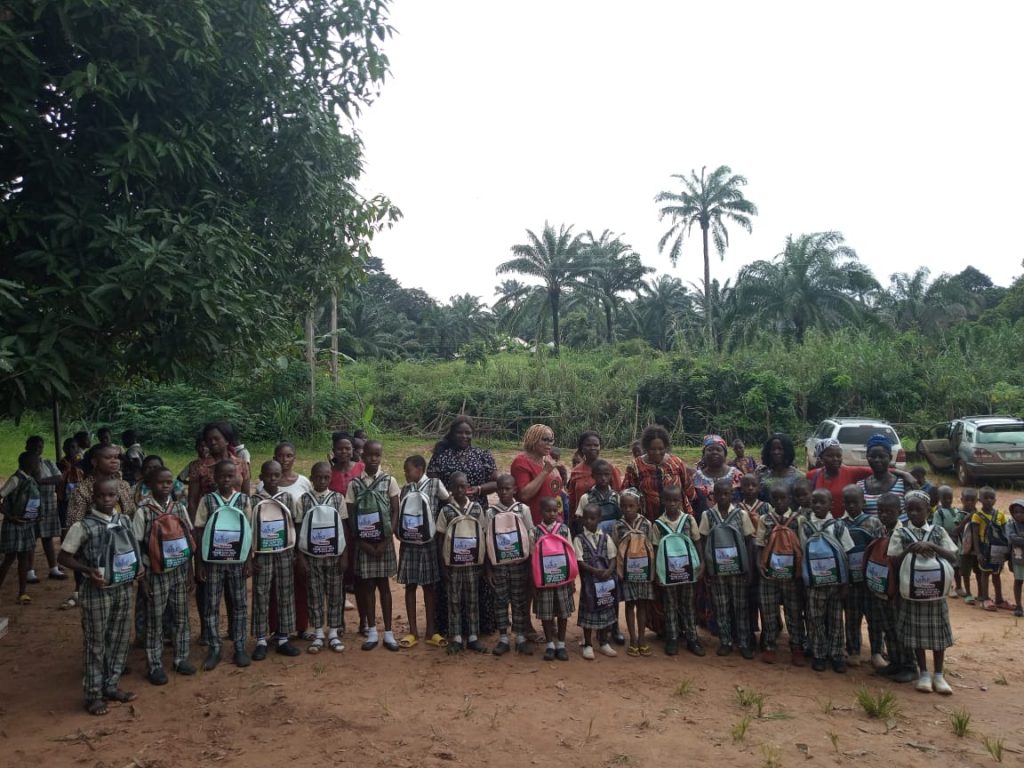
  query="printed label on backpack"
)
[
  {"x": 464, "y": 549},
  {"x": 856, "y": 560},
  {"x": 555, "y": 568},
  {"x": 824, "y": 570},
  {"x": 31, "y": 509},
  {"x": 604, "y": 592},
  {"x": 226, "y": 544},
  {"x": 125, "y": 566},
  {"x": 638, "y": 568},
  {"x": 176, "y": 553},
  {"x": 272, "y": 536},
  {"x": 877, "y": 577},
  {"x": 997, "y": 553},
  {"x": 679, "y": 570},
  {"x": 321, "y": 540},
  {"x": 927, "y": 584},
  {"x": 508, "y": 546},
  {"x": 781, "y": 566},
  {"x": 369, "y": 525},
  {"x": 1017, "y": 555},
  {"x": 727, "y": 560},
  {"x": 411, "y": 525}
]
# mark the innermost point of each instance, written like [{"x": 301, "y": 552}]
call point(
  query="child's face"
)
[
  {"x": 888, "y": 514},
  {"x": 225, "y": 480},
  {"x": 673, "y": 501},
  {"x": 919, "y": 475},
  {"x": 750, "y": 487},
  {"x": 637, "y": 450},
  {"x": 780, "y": 500},
  {"x": 357, "y": 449},
  {"x": 1017, "y": 513},
  {"x": 853, "y": 502},
  {"x": 988, "y": 500},
  {"x": 723, "y": 496},
  {"x": 507, "y": 491},
  {"x": 802, "y": 496},
  {"x": 821, "y": 503},
  {"x": 933, "y": 495},
  {"x": 104, "y": 496},
  {"x": 413, "y": 472},
  {"x": 285, "y": 456},
  {"x": 458, "y": 490},
  {"x": 320, "y": 478},
  {"x": 270, "y": 474},
  {"x": 946, "y": 497},
  {"x": 161, "y": 483},
  {"x": 917, "y": 511},
  {"x": 739, "y": 449},
  {"x": 603, "y": 477},
  {"x": 591, "y": 517},
  {"x": 549, "y": 509},
  {"x": 630, "y": 506},
  {"x": 969, "y": 500},
  {"x": 371, "y": 458},
  {"x": 343, "y": 451}
]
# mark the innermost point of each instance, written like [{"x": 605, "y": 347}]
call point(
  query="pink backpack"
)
[{"x": 554, "y": 559}]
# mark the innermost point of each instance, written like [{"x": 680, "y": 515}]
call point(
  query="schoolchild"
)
[
  {"x": 460, "y": 551},
  {"x": 508, "y": 571},
  {"x": 881, "y": 578},
  {"x": 634, "y": 562},
  {"x": 949, "y": 517},
  {"x": 553, "y": 605},
  {"x": 673, "y": 534},
  {"x": 778, "y": 555},
  {"x": 988, "y": 526},
  {"x": 968, "y": 554},
  {"x": 1015, "y": 538},
  {"x": 863, "y": 527},
  {"x": 604, "y": 495},
  {"x": 595, "y": 552},
  {"x": 21, "y": 510}
]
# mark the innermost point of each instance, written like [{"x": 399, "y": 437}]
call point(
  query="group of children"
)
[{"x": 753, "y": 561}]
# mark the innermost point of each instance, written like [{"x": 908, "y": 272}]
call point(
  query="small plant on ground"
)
[
  {"x": 881, "y": 707},
  {"x": 739, "y": 730},
  {"x": 751, "y": 700},
  {"x": 961, "y": 720},
  {"x": 834, "y": 738},
  {"x": 826, "y": 706},
  {"x": 685, "y": 687},
  {"x": 994, "y": 746},
  {"x": 772, "y": 756},
  {"x": 1001, "y": 680}
]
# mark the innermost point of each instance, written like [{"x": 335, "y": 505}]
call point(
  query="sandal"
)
[
  {"x": 969, "y": 599},
  {"x": 24, "y": 600},
  {"x": 71, "y": 602},
  {"x": 316, "y": 646},
  {"x": 120, "y": 696},
  {"x": 1006, "y": 605},
  {"x": 633, "y": 650},
  {"x": 989, "y": 605},
  {"x": 336, "y": 645},
  {"x": 645, "y": 650},
  {"x": 408, "y": 641},
  {"x": 96, "y": 707},
  {"x": 308, "y": 635},
  {"x": 437, "y": 640}
]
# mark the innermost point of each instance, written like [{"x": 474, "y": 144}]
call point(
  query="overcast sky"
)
[{"x": 896, "y": 123}]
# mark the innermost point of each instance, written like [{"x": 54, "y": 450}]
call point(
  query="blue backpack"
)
[{"x": 825, "y": 562}]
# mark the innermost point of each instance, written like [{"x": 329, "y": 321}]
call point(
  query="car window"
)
[
  {"x": 1001, "y": 433},
  {"x": 824, "y": 430},
  {"x": 858, "y": 434}
]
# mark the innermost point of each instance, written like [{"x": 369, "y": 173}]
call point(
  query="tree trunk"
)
[
  {"x": 707, "y": 284},
  {"x": 334, "y": 337},
  {"x": 555, "y": 330},
  {"x": 311, "y": 361},
  {"x": 608, "y": 323}
]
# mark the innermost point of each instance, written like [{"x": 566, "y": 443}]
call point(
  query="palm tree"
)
[
  {"x": 615, "y": 269},
  {"x": 722, "y": 309},
  {"x": 521, "y": 309},
  {"x": 555, "y": 258},
  {"x": 664, "y": 311},
  {"x": 710, "y": 202},
  {"x": 814, "y": 282}
]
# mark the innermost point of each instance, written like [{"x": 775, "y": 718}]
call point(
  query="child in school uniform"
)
[
  {"x": 219, "y": 577},
  {"x": 106, "y": 610},
  {"x": 778, "y": 589},
  {"x": 604, "y": 495},
  {"x": 923, "y": 625},
  {"x": 801, "y": 492},
  {"x": 511, "y": 582},
  {"x": 677, "y": 599},
  {"x": 553, "y": 605},
  {"x": 825, "y": 604},
  {"x": 462, "y": 580},
  {"x": 637, "y": 591},
  {"x": 755, "y": 506},
  {"x": 21, "y": 510},
  {"x": 1015, "y": 538},
  {"x": 275, "y": 569},
  {"x": 417, "y": 558},
  {"x": 862, "y": 525},
  {"x": 595, "y": 553},
  {"x": 372, "y": 500},
  {"x": 968, "y": 556},
  {"x": 325, "y": 574},
  {"x": 168, "y": 582},
  {"x": 949, "y": 517},
  {"x": 901, "y": 667},
  {"x": 729, "y": 592},
  {"x": 984, "y": 523}
]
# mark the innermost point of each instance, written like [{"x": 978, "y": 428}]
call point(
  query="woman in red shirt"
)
[
  {"x": 537, "y": 475},
  {"x": 581, "y": 479},
  {"x": 834, "y": 476}
]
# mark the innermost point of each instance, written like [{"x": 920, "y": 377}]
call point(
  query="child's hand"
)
[
  {"x": 763, "y": 571},
  {"x": 201, "y": 573},
  {"x": 343, "y": 563},
  {"x": 147, "y": 590},
  {"x": 97, "y": 577},
  {"x": 247, "y": 569},
  {"x": 140, "y": 575}
]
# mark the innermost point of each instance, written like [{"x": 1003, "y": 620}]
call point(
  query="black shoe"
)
[
  {"x": 524, "y": 648},
  {"x": 818, "y": 665},
  {"x": 475, "y": 646},
  {"x": 242, "y": 658},
  {"x": 287, "y": 649},
  {"x": 694, "y": 647},
  {"x": 839, "y": 665},
  {"x": 746, "y": 652},
  {"x": 185, "y": 667},
  {"x": 724, "y": 649},
  {"x": 212, "y": 659},
  {"x": 501, "y": 648},
  {"x": 889, "y": 670},
  {"x": 619, "y": 638},
  {"x": 157, "y": 676},
  {"x": 672, "y": 647},
  {"x": 549, "y": 654},
  {"x": 453, "y": 648},
  {"x": 259, "y": 653},
  {"x": 905, "y": 675},
  {"x": 562, "y": 654}
]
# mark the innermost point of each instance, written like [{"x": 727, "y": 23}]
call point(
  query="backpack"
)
[
  {"x": 635, "y": 556},
  {"x": 25, "y": 500},
  {"x": 416, "y": 523},
  {"x": 508, "y": 538},
  {"x": 119, "y": 558},
  {"x": 322, "y": 533},
  {"x": 995, "y": 548},
  {"x": 782, "y": 555},
  {"x": 227, "y": 535},
  {"x": 274, "y": 527},
  {"x": 861, "y": 538},
  {"x": 825, "y": 562},
  {"x": 878, "y": 571},
  {"x": 677, "y": 558},
  {"x": 373, "y": 508},
  {"x": 1016, "y": 540},
  {"x": 924, "y": 577},
  {"x": 597, "y": 595},
  {"x": 726, "y": 548},
  {"x": 554, "y": 559},
  {"x": 462, "y": 538},
  {"x": 170, "y": 544},
  {"x": 609, "y": 505}
]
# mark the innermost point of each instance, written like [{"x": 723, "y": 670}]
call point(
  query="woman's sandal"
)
[
  {"x": 336, "y": 645},
  {"x": 122, "y": 697},
  {"x": 633, "y": 650},
  {"x": 989, "y": 605},
  {"x": 24, "y": 600},
  {"x": 71, "y": 602},
  {"x": 645, "y": 650},
  {"x": 316, "y": 646},
  {"x": 96, "y": 707},
  {"x": 437, "y": 640},
  {"x": 408, "y": 641}
]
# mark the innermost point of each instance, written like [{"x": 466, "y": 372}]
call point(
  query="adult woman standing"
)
[
  {"x": 713, "y": 468},
  {"x": 777, "y": 464},
  {"x": 882, "y": 479},
  {"x": 657, "y": 469},
  {"x": 455, "y": 453},
  {"x": 581, "y": 479},
  {"x": 834, "y": 476},
  {"x": 538, "y": 475}
]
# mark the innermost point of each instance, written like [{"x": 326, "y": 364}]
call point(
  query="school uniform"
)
[
  {"x": 20, "y": 536},
  {"x": 922, "y": 624},
  {"x": 729, "y": 593},
  {"x": 369, "y": 566},
  {"x": 634, "y": 590},
  {"x": 277, "y": 569},
  {"x": 597, "y": 550},
  {"x": 980, "y": 523},
  {"x": 773, "y": 593},
  {"x": 1014, "y": 532},
  {"x": 326, "y": 582},
  {"x": 224, "y": 577},
  {"x": 168, "y": 590},
  {"x": 511, "y": 582},
  {"x": 417, "y": 563},
  {"x": 883, "y": 610},
  {"x": 858, "y": 600},
  {"x": 48, "y": 524},
  {"x": 463, "y": 580},
  {"x": 754, "y": 512},
  {"x": 824, "y": 609},
  {"x": 552, "y": 603},
  {"x": 677, "y": 599},
  {"x": 105, "y": 612},
  {"x": 608, "y": 501}
]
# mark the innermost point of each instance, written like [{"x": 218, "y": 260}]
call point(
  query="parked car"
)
[
  {"x": 853, "y": 432},
  {"x": 976, "y": 447}
]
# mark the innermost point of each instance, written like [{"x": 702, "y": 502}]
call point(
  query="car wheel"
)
[{"x": 963, "y": 475}]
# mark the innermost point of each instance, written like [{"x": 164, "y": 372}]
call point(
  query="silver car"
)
[
  {"x": 853, "y": 432},
  {"x": 976, "y": 447}
]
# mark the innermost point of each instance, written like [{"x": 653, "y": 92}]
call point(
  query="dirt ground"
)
[{"x": 422, "y": 708}]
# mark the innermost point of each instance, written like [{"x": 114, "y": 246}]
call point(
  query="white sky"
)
[{"x": 896, "y": 123}]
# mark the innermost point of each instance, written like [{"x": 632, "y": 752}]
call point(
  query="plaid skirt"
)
[
  {"x": 924, "y": 624},
  {"x": 417, "y": 563},
  {"x": 636, "y": 590},
  {"x": 383, "y": 567},
  {"x": 598, "y": 619},
  {"x": 17, "y": 537},
  {"x": 554, "y": 603}
]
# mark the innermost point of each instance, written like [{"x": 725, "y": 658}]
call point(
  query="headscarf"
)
[
  {"x": 1016, "y": 503},
  {"x": 533, "y": 436},
  {"x": 824, "y": 445},
  {"x": 919, "y": 495},
  {"x": 879, "y": 440},
  {"x": 715, "y": 440}
]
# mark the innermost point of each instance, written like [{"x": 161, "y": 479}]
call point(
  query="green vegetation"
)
[
  {"x": 961, "y": 721},
  {"x": 881, "y": 707}
]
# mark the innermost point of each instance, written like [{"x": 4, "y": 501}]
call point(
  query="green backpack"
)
[
  {"x": 373, "y": 508},
  {"x": 227, "y": 535},
  {"x": 677, "y": 558},
  {"x": 25, "y": 500}
]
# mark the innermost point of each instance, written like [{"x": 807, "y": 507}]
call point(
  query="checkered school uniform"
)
[
  {"x": 48, "y": 524},
  {"x": 729, "y": 594},
  {"x": 858, "y": 598},
  {"x": 594, "y": 551},
  {"x": 275, "y": 569},
  {"x": 677, "y": 600},
  {"x": 511, "y": 582},
  {"x": 825, "y": 607},
  {"x": 369, "y": 566},
  {"x": 632, "y": 591},
  {"x": 221, "y": 577},
  {"x": 326, "y": 581},
  {"x": 773, "y": 593},
  {"x": 553, "y": 603},
  {"x": 922, "y": 624},
  {"x": 417, "y": 563},
  {"x": 14, "y": 536},
  {"x": 105, "y": 612},
  {"x": 463, "y": 581},
  {"x": 167, "y": 589}
]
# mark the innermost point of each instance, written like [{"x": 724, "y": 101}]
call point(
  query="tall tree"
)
[
  {"x": 664, "y": 311},
  {"x": 712, "y": 202},
  {"x": 555, "y": 258},
  {"x": 615, "y": 269}
]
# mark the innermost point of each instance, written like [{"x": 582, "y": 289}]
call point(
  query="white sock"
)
[
  {"x": 551, "y": 645},
  {"x": 371, "y": 635},
  {"x": 520, "y": 639},
  {"x": 282, "y": 639},
  {"x": 472, "y": 638},
  {"x": 457, "y": 639},
  {"x": 261, "y": 641},
  {"x": 320, "y": 633},
  {"x": 331, "y": 635},
  {"x": 503, "y": 638},
  {"x": 31, "y": 574},
  {"x": 389, "y": 636},
  {"x": 560, "y": 644}
]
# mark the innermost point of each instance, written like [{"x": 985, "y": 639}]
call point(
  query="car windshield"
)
[
  {"x": 1001, "y": 433},
  {"x": 858, "y": 434}
]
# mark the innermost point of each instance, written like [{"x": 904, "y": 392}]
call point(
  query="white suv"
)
[{"x": 853, "y": 432}]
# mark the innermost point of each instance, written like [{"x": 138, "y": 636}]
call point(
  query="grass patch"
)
[
  {"x": 994, "y": 746},
  {"x": 826, "y": 706},
  {"x": 685, "y": 688},
  {"x": 834, "y": 738},
  {"x": 1001, "y": 680},
  {"x": 620, "y": 759},
  {"x": 960, "y": 719},
  {"x": 751, "y": 700},
  {"x": 880, "y": 707},
  {"x": 467, "y": 706},
  {"x": 739, "y": 730},
  {"x": 772, "y": 756},
  {"x": 319, "y": 668}
]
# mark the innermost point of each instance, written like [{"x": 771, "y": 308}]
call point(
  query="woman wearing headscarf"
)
[
  {"x": 834, "y": 476},
  {"x": 883, "y": 479},
  {"x": 656, "y": 469},
  {"x": 537, "y": 475},
  {"x": 777, "y": 464},
  {"x": 713, "y": 467},
  {"x": 581, "y": 479}
]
